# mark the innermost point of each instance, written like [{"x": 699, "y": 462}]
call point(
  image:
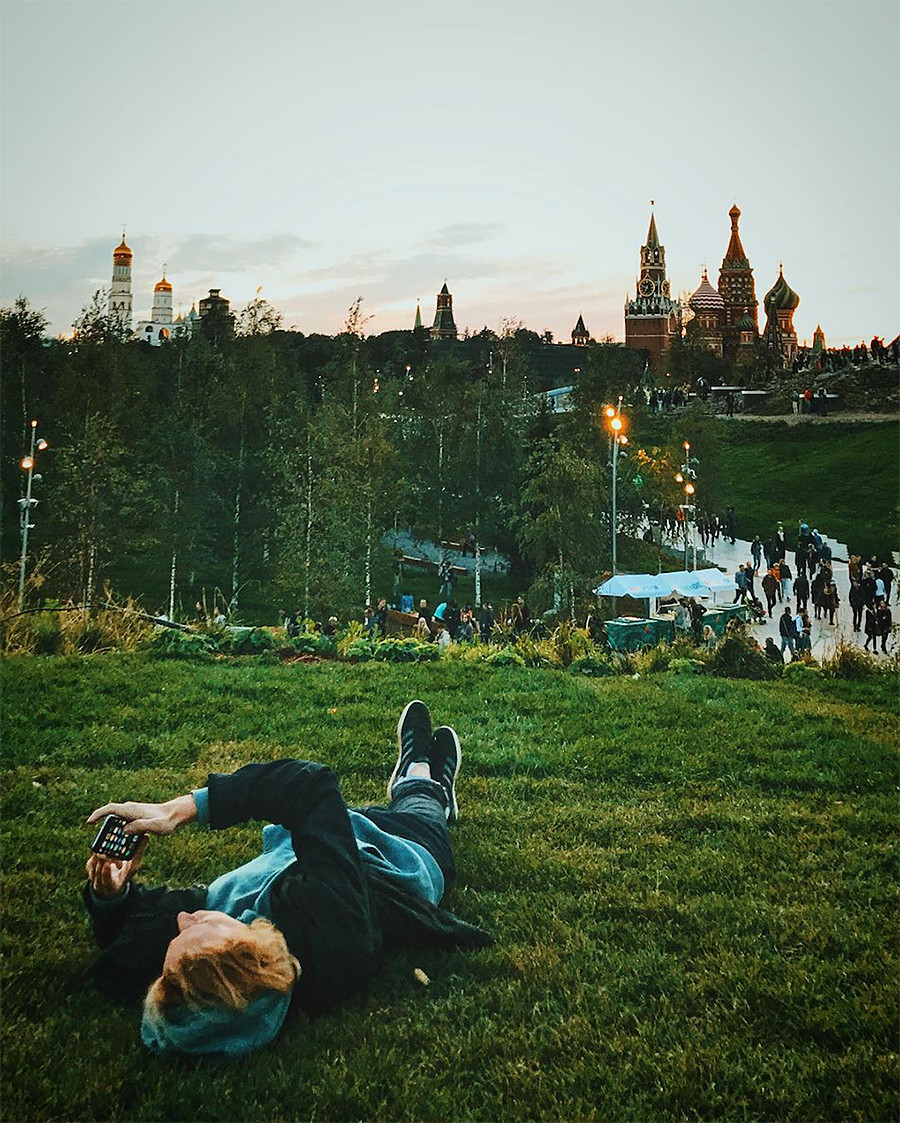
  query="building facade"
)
[{"x": 652, "y": 317}]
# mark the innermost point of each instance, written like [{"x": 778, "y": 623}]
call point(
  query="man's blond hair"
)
[{"x": 230, "y": 972}]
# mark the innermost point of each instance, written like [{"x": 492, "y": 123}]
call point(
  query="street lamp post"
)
[
  {"x": 27, "y": 504},
  {"x": 686, "y": 476},
  {"x": 617, "y": 438}
]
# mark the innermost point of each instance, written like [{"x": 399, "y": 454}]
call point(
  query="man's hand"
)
[
  {"x": 109, "y": 877},
  {"x": 151, "y": 818}
]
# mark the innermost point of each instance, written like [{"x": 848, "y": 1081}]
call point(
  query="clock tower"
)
[{"x": 652, "y": 318}]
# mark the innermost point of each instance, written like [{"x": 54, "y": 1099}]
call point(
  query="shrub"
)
[
  {"x": 466, "y": 652},
  {"x": 802, "y": 670},
  {"x": 247, "y": 641},
  {"x": 596, "y": 666},
  {"x": 505, "y": 657},
  {"x": 46, "y": 634},
  {"x": 849, "y": 661},
  {"x": 686, "y": 666},
  {"x": 348, "y": 638},
  {"x": 169, "y": 642},
  {"x": 314, "y": 643},
  {"x": 737, "y": 656},
  {"x": 90, "y": 637},
  {"x": 531, "y": 653},
  {"x": 406, "y": 651}
]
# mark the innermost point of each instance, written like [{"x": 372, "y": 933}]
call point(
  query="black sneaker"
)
[
  {"x": 413, "y": 740},
  {"x": 446, "y": 757}
]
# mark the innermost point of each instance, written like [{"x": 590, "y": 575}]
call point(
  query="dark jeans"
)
[
  {"x": 418, "y": 813},
  {"x": 857, "y": 618}
]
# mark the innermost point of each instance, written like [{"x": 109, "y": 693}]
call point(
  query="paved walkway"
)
[
  {"x": 824, "y": 635},
  {"x": 723, "y": 555},
  {"x": 424, "y": 548}
]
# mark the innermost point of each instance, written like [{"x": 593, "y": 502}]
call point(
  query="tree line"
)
[{"x": 269, "y": 464}]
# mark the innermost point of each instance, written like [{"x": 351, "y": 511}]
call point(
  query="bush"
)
[
  {"x": 597, "y": 666},
  {"x": 314, "y": 643},
  {"x": 533, "y": 653},
  {"x": 392, "y": 651},
  {"x": 737, "y": 656},
  {"x": 505, "y": 657},
  {"x": 466, "y": 652},
  {"x": 686, "y": 666},
  {"x": 802, "y": 670},
  {"x": 849, "y": 661},
  {"x": 46, "y": 634},
  {"x": 169, "y": 642},
  {"x": 247, "y": 641}
]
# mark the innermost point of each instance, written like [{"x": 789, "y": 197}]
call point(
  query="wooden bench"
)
[{"x": 420, "y": 563}]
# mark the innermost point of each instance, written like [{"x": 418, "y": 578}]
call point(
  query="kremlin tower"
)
[
  {"x": 162, "y": 301},
  {"x": 581, "y": 337},
  {"x": 709, "y": 313},
  {"x": 652, "y": 318},
  {"x": 444, "y": 326},
  {"x": 738, "y": 292},
  {"x": 120, "y": 288},
  {"x": 780, "y": 303}
]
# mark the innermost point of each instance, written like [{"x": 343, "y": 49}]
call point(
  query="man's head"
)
[{"x": 216, "y": 960}]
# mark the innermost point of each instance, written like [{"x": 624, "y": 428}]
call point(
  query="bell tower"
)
[{"x": 120, "y": 287}]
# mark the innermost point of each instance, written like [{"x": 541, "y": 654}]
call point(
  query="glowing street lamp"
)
[
  {"x": 27, "y": 505},
  {"x": 617, "y": 438}
]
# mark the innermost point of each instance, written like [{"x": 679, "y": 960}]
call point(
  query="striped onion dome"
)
[
  {"x": 746, "y": 323},
  {"x": 706, "y": 298},
  {"x": 781, "y": 295}
]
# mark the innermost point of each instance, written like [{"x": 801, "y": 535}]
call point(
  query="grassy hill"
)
[
  {"x": 842, "y": 478},
  {"x": 692, "y": 883}
]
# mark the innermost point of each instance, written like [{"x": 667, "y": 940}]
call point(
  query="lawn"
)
[
  {"x": 692, "y": 883},
  {"x": 841, "y": 478}
]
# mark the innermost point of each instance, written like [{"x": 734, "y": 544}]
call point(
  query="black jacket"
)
[{"x": 336, "y": 914}]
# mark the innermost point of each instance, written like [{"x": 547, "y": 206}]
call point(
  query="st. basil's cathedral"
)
[{"x": 724, "y": 320}]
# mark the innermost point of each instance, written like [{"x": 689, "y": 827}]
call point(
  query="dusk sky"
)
[{"x": 329, "y": 150}]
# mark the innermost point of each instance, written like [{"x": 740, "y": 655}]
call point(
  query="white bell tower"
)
[
  {"x": 162, "y": 302},
  {"x": 120, "y": 289}
]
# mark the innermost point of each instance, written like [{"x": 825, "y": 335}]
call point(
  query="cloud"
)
[
  {"x": 222, "y": 251},
  {"x": 464, "y": 234}
]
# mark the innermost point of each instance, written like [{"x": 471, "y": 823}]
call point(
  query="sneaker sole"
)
[
  {"x": 414, "y": 702},
  {"x": 454, "y": 806}
]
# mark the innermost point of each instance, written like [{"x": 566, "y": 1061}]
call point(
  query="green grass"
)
[
  {"x": 841, "y": 478},
  {"x": 692, "y": 883}
]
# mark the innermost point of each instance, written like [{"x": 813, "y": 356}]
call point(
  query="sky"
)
[{"x": 328, "y": 150}]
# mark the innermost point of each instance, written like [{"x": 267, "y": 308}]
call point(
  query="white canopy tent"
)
[{"x": 650, "y": 586}]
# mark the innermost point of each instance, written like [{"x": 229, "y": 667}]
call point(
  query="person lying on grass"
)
[{"x": 304, "y": 922}]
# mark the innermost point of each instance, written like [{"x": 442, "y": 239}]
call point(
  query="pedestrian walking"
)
[
  {"x": 787, "y": 631},
  {"x": 830, "y": 600},
  {"x": 756, "y": 552},
  {"x": 857, "y": 603},
  {"x": 871, "y": 628},
  {"x": 801, "y": 591},
  {"x": 883, "y": 621},
  {"x": 786, "y": 576},
  {"x": 769, "y": 585}
]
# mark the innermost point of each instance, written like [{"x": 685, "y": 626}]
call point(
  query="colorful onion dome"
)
[
  {"x": 706, "y": 298},
  {"x": 746, "y": 323},
  {"x": 781, "y": 295},
  {"x": 163, "y": 286}
]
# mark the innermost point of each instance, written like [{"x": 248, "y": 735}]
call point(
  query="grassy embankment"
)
[
  {"x": 841, "y": 477},
  {"x": 692, "y": 883}
]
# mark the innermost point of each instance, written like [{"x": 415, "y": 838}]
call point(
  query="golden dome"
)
[
  {"x": 122, "y": 250},
  {"x": 163, "y": 286}
]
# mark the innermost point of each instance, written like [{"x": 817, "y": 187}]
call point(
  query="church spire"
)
[
  {"x": 418, "y": 322},
  {"x": 652, "y": 236},
  {"x": 735, "y": 253}
]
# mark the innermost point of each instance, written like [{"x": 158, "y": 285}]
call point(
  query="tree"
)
[{"x": 258, "y": 317}]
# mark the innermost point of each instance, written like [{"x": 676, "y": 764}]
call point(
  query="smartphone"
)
[{"x": 114, "y": 841}]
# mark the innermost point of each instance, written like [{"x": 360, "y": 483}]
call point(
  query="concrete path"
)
[
  {"x": 491, "y": 561},
  {"x": 824, "y": 635}
]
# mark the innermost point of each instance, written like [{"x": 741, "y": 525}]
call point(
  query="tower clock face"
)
[{"x": 645, "y": 288}]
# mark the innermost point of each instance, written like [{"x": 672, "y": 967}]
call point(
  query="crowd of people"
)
[{"x": 810, "y": 584}]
